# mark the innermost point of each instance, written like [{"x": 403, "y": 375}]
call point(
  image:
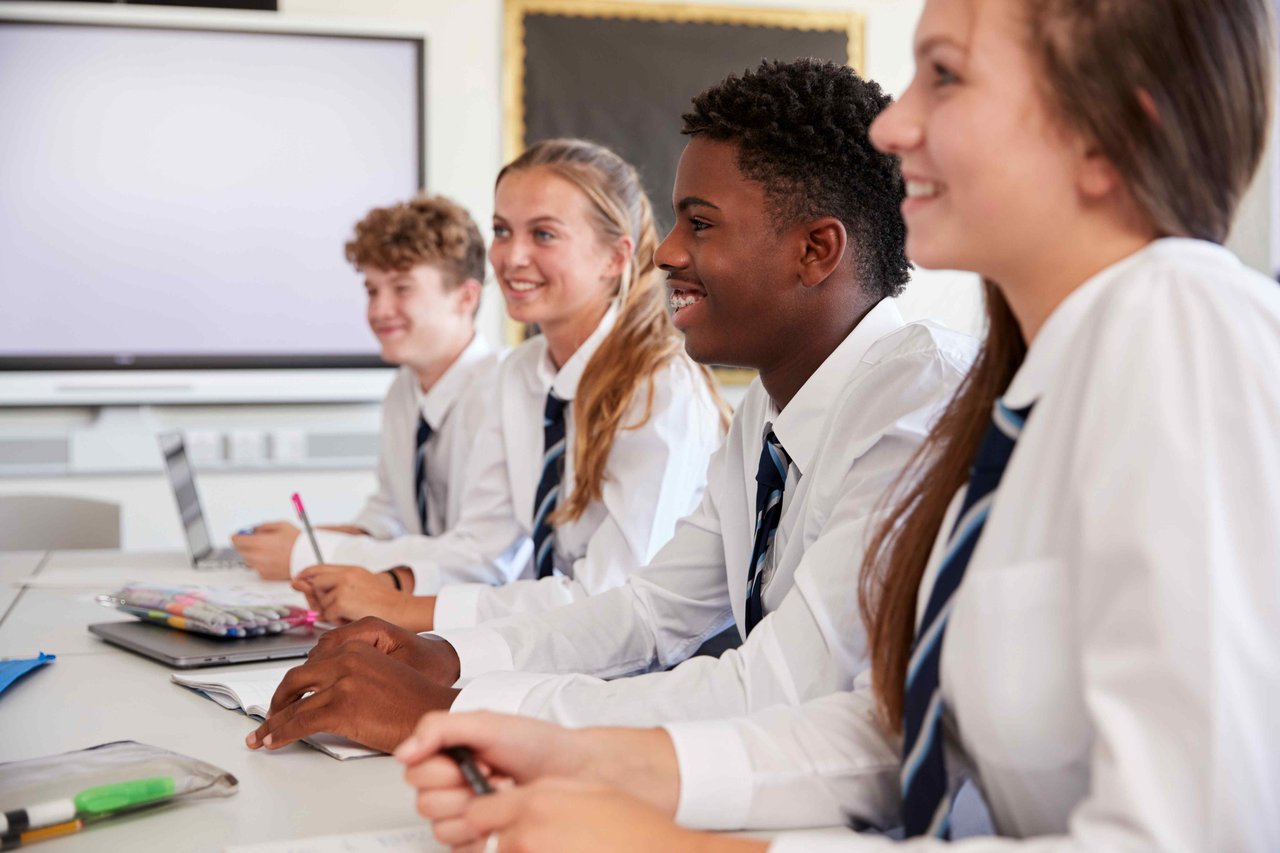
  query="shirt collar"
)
[
  {"x": 800, "y": 424},
  {"x": 1053, "y": 344},
  {"x": 436, "y": 402},
  {"x": 564, "y": 382}
]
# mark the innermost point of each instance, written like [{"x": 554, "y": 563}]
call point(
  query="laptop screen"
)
[{"x": 183, "y": 481}]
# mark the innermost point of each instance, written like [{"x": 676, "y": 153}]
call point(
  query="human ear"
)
[
  {"x": 468, "y": 297},
  {"x": 1096, "y": 177},
  {"x": 619, "y": 254},
  {"x": 825, "y": 241}
]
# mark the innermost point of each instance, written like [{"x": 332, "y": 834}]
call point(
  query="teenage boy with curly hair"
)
[{"x": 423, "y": 266}]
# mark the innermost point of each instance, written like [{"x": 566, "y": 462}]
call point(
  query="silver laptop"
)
[
  {"x": 183, "y": 480},
  {"x": 184, "y": 650}
]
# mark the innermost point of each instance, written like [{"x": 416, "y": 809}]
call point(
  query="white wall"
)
[{"x": 464, "y": 152}]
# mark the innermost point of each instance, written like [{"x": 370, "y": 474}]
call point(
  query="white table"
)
[{"x": 95, "y": 693}]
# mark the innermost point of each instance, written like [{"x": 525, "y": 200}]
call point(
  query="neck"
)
[
  {"x": 566, "y": 336},
  {"x": 429, "y": 374},
  {"x": 1035, "y": 291},
  {"x": 816, "y": 338}
]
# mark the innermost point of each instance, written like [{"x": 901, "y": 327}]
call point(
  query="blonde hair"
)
[{"x": 642, "y": 340}]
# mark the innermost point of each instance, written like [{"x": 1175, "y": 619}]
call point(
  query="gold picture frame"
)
[{"x": 731, "y": 38}]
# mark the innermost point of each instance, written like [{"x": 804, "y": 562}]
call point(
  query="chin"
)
[{"x": 704, "y": 353}]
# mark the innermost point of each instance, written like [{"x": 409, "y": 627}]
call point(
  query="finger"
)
[
  {"x": 306, "y": 678},
  {"x": 455, "y": 832},
  {"x": 305, "y": 717},
  {"x": 436, "y": 772},
  {"x": 483, "y": 731},
  {"x": 271, "y": 527},
  {"x": 477, "y": 846},
  {"x": 313, "y": 603},
  {"x": 495, "y": 812},
  {"x": 444, "y": 803},
  {"x": 427, "y": 740}
]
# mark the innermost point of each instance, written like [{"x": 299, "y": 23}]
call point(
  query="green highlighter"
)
[
  {"x": 111, "y": 798},
  {"x": 89, "y": 804}
]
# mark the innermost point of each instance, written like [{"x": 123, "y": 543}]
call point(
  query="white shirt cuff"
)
[
  {"x": 480, "y": 650},
  {"x": 303, "y": 555},
  {"x": 458, "y": 605},
  {"x": 715, "y": 774},
  {"x": 498, "y": 691}
]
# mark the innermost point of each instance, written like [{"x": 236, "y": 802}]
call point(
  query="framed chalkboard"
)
[{"x": 622, "y": 73}]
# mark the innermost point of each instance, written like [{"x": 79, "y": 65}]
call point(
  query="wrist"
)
[
  {"x": 641, "y": 762},
  {"x": 445, "y": 665}
]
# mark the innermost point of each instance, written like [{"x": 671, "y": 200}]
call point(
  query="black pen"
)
[{"x": 466, "y": 761}]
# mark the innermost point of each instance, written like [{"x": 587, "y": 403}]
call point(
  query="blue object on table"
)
[{"x": 12, "y": 670}]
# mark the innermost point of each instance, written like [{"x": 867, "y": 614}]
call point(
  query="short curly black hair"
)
[{"x": 801, "y": 131}]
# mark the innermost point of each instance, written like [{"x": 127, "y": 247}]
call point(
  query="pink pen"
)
[{"x": 311, "y": 534}]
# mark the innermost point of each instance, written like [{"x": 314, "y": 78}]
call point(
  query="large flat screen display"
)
[{"x": 178, "y": 198}]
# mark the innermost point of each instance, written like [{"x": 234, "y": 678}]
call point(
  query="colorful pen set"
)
[
  {"x": 219, "y": 613},
  {"x": 63, "y": 817}
]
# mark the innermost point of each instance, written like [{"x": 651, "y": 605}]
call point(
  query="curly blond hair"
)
[{"x": 423, "y": 230}]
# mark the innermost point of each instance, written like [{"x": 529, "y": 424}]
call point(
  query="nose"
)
[
  {"x": 379, "y": 303},
  {"x": 671, "y": 254},
  {"x": 509, "y": 254},
  {"x": 898, "y": 128}
]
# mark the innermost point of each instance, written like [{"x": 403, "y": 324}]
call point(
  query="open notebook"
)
[{"x": 251, "y": 692}]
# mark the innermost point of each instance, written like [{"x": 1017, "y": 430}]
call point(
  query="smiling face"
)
[
  {"x": 554, "y": 268},
  {"x": 418, "y": 320},
  {"x": 991, "y": 177},
  {"x": 727, "y": 265}
]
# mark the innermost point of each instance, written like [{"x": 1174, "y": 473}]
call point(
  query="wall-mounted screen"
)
[{"x": 177, "y": 198}]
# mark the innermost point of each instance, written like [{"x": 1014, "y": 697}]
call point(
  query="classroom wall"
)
[{"x": 464, "y": 152}]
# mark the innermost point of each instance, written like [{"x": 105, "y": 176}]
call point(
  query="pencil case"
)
[
  {"x": 217, "y": 612},
  {"x": 44, "y": 798}
]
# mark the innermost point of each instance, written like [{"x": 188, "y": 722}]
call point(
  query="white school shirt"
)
[
  {"x": 1111, "y": 669},
  {"x": 454, "y": 407},
  {"x": 654, "y": 475},
  {"x": 849, "y": 431}
]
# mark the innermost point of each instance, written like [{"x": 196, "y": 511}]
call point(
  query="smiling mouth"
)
[
  {"x": 523, "y": 286},
  {"x": 681, "y": 299},
  {"x": 923, "y": 189}
]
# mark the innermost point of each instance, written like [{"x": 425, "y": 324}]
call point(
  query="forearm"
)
[
  {"x": 417, "y": 612},
  {"x": 639, "y": 762}
]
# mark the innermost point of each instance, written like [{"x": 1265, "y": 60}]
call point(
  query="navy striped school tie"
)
[
  {"x": 771, "y": 479},
  {"x": 548, "y": 494},
  {"x": 420, "y": 472},
  {"x": 926, "y": 794}
]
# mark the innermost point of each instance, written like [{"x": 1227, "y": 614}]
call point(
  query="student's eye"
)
[
  {"x": 543, "y": 236},
  {"x": 403, "y": 289},
  {"x": 501, "y": 230},
  {"x": 698, "y": 224},
  {"x": 942, "y": 75}
]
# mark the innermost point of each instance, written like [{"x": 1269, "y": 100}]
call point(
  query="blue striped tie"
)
[
  {"x": 420, "y": 472},
  {"x": 926, "y": 794},
  {"x": 548, "y": 493},
  {"x": 771, "y": 479}
]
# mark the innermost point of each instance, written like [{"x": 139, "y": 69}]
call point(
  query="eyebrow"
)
[
  {"x": 693, "y": 201},
  {"x": 535, "y": 220},
  {"x": 937, "y": 40}
]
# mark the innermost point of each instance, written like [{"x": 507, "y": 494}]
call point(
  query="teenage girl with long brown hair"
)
[
  {"x": 600, "y": 427},
  {"x": 1075, "y": 604}
]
